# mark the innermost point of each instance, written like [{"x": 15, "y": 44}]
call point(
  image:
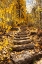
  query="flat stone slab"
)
[
  {"x": 23, "y": 47},
  {"x": 22, "y": 42},
  {"x": 18, "y": 36}
]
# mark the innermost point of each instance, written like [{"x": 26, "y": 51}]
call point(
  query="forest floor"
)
[{"x": 21, "y": 46}]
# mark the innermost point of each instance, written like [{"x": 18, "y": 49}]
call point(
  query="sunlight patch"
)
[{"x": 29, "y": 5}]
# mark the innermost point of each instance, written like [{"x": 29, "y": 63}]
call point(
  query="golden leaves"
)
[{"x": 4, "y": 43}]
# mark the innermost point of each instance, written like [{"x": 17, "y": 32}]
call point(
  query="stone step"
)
[
  {"x": 22, "y": 33},
  {"x": 39, "y": 61},
  {"x": 18, "y": 36},
  {"x": 22, "y": 42},
  {"x": 24, "y": 38},
  {"x": 23, "y": 47}
]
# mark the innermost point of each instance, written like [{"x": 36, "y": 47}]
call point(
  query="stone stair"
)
[
  {"x": 23, "y": 50},
  {"x": 24, "y": 47},
  {"x": 22, "y": 38}
]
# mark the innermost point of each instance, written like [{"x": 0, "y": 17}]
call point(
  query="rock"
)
[
  {"x": 22, "y": 33},
  {"x": 33, "y": 32},
  {"x": 18, "y": 36},
  {"x": 26, "y": 57},
  {"x": 39, "y": 33},
  {"x": 38, "y": 61}
]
